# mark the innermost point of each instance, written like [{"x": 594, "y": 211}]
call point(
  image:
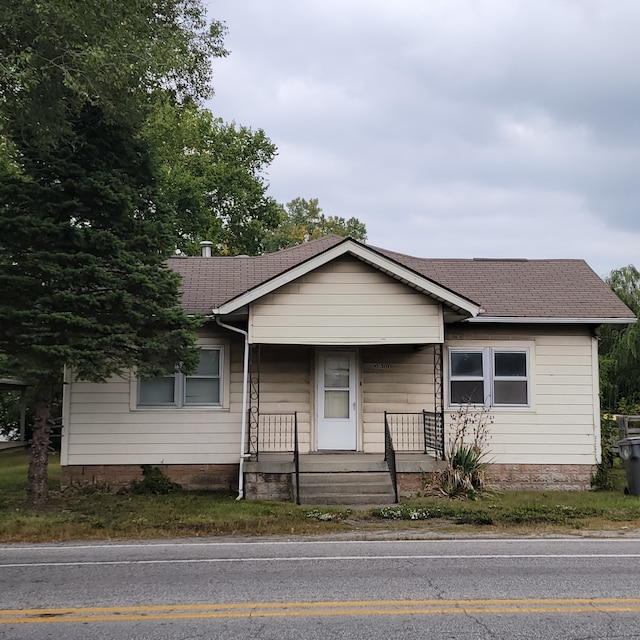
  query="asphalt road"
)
[{"x": 281, "y": 589}]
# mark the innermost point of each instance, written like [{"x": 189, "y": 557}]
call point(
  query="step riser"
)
[
  {"x": 343, "y": 467},
  {"x": 338, "y": 491},
  {"x": 358, "y": 499}
]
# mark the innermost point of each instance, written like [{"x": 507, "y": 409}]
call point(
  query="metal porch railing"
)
[
  {"x": 390, "y": 456},
  {"x": 417, "y": 432}
]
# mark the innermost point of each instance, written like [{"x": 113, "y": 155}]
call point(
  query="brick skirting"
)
[
  {"x": 541, "y": 477},
  {"x": 533, "y": 477},
  {"x": 276, "y": 486},
  {"x": 205, "y": 477}
]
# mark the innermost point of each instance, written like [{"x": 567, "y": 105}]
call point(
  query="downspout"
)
[{"x": 245, "y": 384}]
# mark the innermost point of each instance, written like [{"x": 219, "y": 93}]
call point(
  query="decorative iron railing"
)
[
  {"x": 390, "y": 456},
  {"x": 274, "y": 433},
  {"x": 434, "y": 433},
  {"x": 417, "y": 432},
  {"x": 277, "y": 433},
  {"x": 296, "y": 457}
]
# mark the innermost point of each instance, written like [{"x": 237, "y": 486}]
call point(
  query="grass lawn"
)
[{"x": 93, "y": 514}]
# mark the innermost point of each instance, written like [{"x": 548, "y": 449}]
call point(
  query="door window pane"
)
[
  {"x": 336, "y": 373},
  {"x": 336, "y": 404}
]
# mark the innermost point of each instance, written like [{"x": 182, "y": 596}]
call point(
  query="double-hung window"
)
[
  {"x": 489, "y": 376},
  {"x": 203, "y": 388}
]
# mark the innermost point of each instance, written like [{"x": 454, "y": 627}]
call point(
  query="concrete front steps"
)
[
  {"x": 345, "y": 478},
  {"x": 340, "y": 478},
  {"x": 348, "y": 487}
]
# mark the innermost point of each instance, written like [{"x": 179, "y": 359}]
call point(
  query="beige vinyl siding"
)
[
  {"x": 345, "y": 302},
  {"x": 394, "y": 379},
  {"x": 397, "y": 378},
  {"x": 286, "y": 386},
  {"x": 102, "y": 425},
  {"x": 561, "y": 424}
]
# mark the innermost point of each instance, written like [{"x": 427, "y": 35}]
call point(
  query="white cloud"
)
[{"x": 508, "y": 126}]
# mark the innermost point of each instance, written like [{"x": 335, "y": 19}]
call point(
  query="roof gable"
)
[{"x": 375, "y": 259}]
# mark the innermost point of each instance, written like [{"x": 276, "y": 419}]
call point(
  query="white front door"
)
[{"x": 336, "y": 401}]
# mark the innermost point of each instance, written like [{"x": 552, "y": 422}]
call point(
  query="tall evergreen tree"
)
[
  {"x": 84, "y": 231},
  {"x": 83, "y": 240}
]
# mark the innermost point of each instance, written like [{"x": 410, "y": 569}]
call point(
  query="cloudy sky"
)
[{"x": 451, "y": 128}]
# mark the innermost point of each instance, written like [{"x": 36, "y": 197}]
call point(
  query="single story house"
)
[{"x": 334, "y": 360}]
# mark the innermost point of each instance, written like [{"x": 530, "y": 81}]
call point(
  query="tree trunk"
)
[{"x": 38, "y": 463}]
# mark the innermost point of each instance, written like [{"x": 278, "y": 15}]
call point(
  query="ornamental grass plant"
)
[{"x": 466, "y": 455}]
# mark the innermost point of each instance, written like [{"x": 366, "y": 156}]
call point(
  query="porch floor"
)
[{"x": 341, "y": 463}]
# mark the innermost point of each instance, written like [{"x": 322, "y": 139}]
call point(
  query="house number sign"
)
[{"x": 381, "y": 365}]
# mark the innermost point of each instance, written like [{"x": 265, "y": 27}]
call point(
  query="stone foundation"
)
[
  {"x": 205, "y": 477},
  {"x": 268, "y": 486}
]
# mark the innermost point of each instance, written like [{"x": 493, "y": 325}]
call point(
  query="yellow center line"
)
[{"x": 328, "y": 608}]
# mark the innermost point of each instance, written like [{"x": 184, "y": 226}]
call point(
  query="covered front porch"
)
[{"x": 387, "y": 399}]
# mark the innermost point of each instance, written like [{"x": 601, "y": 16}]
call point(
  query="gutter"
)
[
  {"x": 245, "y": 384},
  {"x": 550, "y": 320}
]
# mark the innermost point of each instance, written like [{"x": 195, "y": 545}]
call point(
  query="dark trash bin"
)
[{"x": 630, "y": 455}]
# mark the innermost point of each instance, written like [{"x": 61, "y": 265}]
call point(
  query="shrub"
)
[
  {"x": 602, "y": 479},
  {"x": 154, "y": 482}
]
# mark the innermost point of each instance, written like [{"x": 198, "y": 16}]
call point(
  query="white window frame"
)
[
  {"x": 179, "y": 392},
  {"x": 488, "y": 375}
]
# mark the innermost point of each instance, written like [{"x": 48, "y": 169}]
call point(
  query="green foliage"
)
[
  {"x": 154, "y": 482},
  {"x": 620, "y": 347},
  {"x": 602, "y": 479},
  {"x": 10, "y": 414},
  {"x": 212, "y": 175},
  {"x": 465, "y": 474},
  {"x": 60, "y": 55},
  {"x": 83, "y": 239},
  {"x": 303, "y": 220}
]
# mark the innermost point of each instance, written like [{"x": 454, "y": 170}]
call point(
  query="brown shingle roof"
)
[
  {"x": 209, "y": 282},
  {"x": 562, "y": 289}
]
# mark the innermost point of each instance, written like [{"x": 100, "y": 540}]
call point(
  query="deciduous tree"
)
[
  {"x": 620, "y": 347},
  {"x": 303, "y": 220},
  {"x": 213, "y": 177}
]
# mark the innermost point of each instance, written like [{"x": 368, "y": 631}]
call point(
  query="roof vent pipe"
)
[{"x": 205, "y": 247}]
